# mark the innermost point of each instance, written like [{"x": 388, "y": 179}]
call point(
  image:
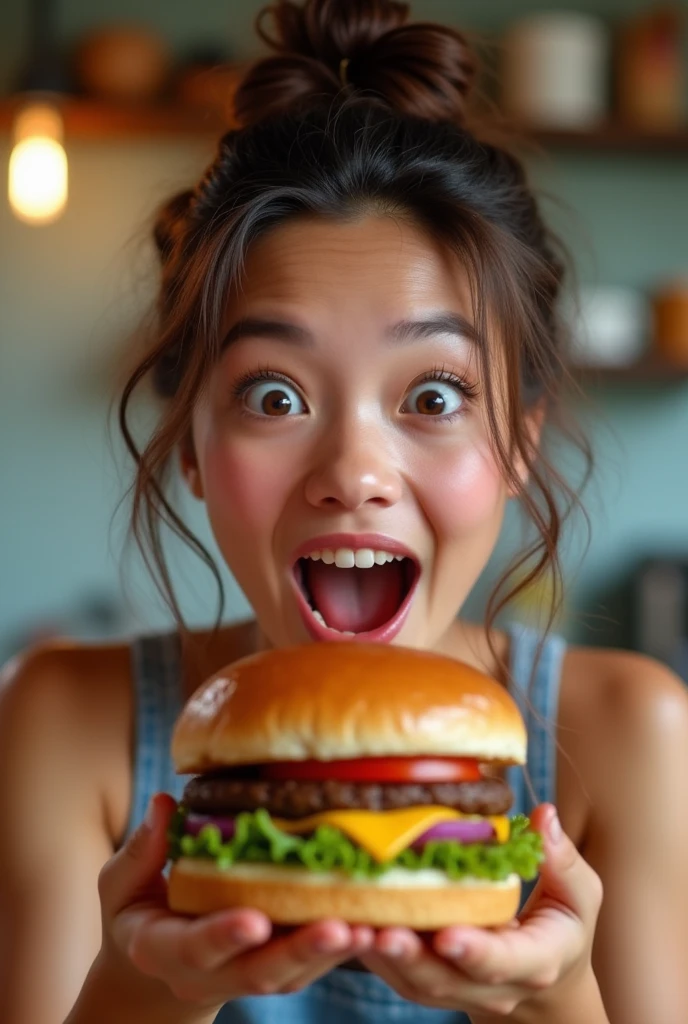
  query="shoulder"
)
[
  {"x": 623, "y": 729},
  {"x": 640, "y": 697},
  {"x": 67, "y": 708},
  {"x": 64, "y": 739},
  {"x": 64, "y": 682}
]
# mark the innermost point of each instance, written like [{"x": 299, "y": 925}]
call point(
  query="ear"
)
[
  {"x": 534, "y": 421},
  {"x": 189, "y": 467}
]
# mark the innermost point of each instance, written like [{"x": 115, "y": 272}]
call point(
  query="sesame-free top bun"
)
[{"x": 343, "y": 700}]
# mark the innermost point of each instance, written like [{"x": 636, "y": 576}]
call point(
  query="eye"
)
[
  {"x": 273, "y": 398},
  {"x": 434, "y": 398}
]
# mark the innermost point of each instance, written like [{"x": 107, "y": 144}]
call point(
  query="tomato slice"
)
[{"x": 377, "y": 769}]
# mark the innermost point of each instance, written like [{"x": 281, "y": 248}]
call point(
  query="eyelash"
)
[{"x": 437, "y": 373}]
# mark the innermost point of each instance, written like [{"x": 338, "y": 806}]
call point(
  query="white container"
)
[
  {"x": 610, "y": 326},
  {"x": 555, "y": 70}
]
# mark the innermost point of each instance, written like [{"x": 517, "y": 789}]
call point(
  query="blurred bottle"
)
[
  {"x": 650, "y": 69},
  {"x": 555, "y": 70},
  {"x": 660, "y": 611},
  {"x": 127, "y": 63},
  {"x": 609, "y": 325},
  {"x": 670, "y": 309}
]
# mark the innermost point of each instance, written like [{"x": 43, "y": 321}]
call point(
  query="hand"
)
[
  {"x": 208, "y": 960},
  {"x": 503, "y": 970}
]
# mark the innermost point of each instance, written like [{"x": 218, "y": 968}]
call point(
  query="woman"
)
[{"x": 358, "y": 344}]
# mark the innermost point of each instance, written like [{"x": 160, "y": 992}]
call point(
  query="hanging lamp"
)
[{"x": 38, "y": 170}]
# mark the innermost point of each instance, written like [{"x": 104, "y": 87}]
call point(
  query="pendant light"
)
[{"x": 38, "y": 169}]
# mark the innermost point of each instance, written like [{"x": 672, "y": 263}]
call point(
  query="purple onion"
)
[
  {"x": 195, "y": 822},
  {"x": 458, "y": 830},
  {"x": 461, "y": 830}
]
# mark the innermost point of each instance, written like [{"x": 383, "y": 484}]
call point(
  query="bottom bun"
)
[{"x": 425, "y": 899}]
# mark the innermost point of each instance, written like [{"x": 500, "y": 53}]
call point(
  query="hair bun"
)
[{"x": 321, "y": 46}]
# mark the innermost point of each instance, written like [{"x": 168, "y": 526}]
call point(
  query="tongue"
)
[{"x": 356, "y": 599}]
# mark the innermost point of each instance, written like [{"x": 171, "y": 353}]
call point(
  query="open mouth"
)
[{"x": 368, "y": 599}]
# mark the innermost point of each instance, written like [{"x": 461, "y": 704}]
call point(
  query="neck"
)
[{"x": 465, "y": 641}]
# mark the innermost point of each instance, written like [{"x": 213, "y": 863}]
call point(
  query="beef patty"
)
[{"x": 224, "y": 793}]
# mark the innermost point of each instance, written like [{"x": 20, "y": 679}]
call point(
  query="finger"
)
[
  {"x": 566, "y": 880},
  {"x": 420, "y": 975},
  {"x": 404, "y": 960},
  {"x": 163, "y": 944},
  {"x": 306, "y": 953},
  {"x": 398, "y": 943},
  {"x": 531, "y": 954},
  {"x": 362, "y": 939},
  {"x": 416, "y": 972},
  {"x": 135, "y": 871}
]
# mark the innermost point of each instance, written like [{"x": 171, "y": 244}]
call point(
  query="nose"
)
[{"x": 352, "y": 471}]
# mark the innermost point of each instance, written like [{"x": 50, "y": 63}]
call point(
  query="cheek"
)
[
  {"x": 463, "y": 492},
  {"x": 244, "y": 489}
]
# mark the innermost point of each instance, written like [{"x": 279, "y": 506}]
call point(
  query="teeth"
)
[{"x": 347, "y": 558}]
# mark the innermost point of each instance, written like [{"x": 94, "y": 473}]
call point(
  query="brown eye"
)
[
  {"x": 431, "y": 402},
  {"x": 434, "y": 399},
  {"x": 273, "y": 399}
]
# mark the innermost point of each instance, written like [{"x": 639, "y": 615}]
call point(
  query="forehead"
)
[{"x": 379, "y": 263}]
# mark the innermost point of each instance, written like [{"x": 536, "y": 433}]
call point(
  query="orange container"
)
[
  {"x": 670, "y": 309},
  {"x": 650, "y": 69}
]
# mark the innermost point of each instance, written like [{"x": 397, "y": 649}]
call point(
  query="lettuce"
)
[{"x": 258, "y": 840}]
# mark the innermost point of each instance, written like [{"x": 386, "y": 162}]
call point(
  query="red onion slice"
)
[
  {"x": 459, "y": 830},
  {"x": 195, "y": 822}
]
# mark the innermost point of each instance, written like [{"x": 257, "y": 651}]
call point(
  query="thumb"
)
[
  {"x": 566, "y": 881},
  {"x": 134, "y": 873}
]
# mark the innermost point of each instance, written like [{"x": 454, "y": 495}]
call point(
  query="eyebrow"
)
[
  {"x": 427, "y": 327},
  {"x": 401, "y": 333}
]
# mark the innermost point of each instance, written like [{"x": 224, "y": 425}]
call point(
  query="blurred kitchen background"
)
[{"x": 137, "y": 95}]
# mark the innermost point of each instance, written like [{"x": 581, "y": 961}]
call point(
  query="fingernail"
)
[
  {"x": 240, "y": 933},
  {"x": 454, "y": 950},
  {"x": 394, "y": 948},
  {"x": 150, "y": 813},
  {"x": 330, "y": 944},
  {"x": 555, "y": 831}
]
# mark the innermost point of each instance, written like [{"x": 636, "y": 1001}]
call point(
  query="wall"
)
[{"x": 70, "y": 293}]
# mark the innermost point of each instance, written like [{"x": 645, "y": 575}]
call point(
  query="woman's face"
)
[{"x": 346, "y": 416}]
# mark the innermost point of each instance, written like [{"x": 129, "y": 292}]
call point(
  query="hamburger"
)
[{"x": 358, "y": 781}]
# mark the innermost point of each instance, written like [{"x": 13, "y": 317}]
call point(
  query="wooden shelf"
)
[
  {"x": 93, "y": 119},
  {"x": 645, "y": 371},
  {"x": 613, "y": 138}
]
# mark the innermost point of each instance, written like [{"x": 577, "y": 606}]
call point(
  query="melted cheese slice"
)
[{"x": 384, "y": 834}]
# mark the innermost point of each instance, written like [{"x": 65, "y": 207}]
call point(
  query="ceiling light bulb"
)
[{"x": 38, "y": 172}]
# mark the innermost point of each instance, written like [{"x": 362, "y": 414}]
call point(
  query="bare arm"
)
[
  {"x": 54, "y": 842},
  {"x": 638, "y": 844}
]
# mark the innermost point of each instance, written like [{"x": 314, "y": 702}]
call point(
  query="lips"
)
[{"x": 383, "y": 633}]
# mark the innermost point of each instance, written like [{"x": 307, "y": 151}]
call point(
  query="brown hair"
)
[{"x": 360, "y": 111}]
